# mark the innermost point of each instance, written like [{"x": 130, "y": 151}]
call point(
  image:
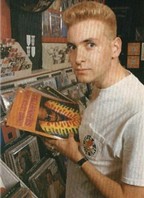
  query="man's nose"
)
[{"x": 80, "y": 55}]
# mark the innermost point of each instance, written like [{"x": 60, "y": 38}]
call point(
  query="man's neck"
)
[{"x": 113, "y": 76}]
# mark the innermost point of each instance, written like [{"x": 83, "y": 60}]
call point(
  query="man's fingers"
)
[
  {"x": 49, "y": 146},
  {"x": 71, "y": 135}
]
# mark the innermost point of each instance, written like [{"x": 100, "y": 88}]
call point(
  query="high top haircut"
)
[{"x": 92, "y": 10}]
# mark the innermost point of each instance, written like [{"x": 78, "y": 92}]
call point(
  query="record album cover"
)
[{"x": 44, "y": 114}]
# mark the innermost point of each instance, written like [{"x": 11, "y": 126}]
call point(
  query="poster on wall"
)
[
  {"x": 142, "y": 51},
  {"x": 52, "y": 24},
  {"x": 55, "y": 56}
]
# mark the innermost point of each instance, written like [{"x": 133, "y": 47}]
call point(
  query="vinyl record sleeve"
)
[
  {"x": 24, "y": 156},
  {"x": 47, "y": 181},
  {"x": 43, "y": 114}
]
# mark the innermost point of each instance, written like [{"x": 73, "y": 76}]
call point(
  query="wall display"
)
[
  {"x": 67, "y": 3},
  {"x": 142, "y": 52},
  {"x": 54, "y": 56},
  {"x": 31, "y": 6},
  {"x": 46, "y": 31},
  {"x": 53, "y": 27},
  {"x": 133, "y": 48},
  {"x": 14, "y": 61},
  {"x": 56, "y": 5},
  {"x": 51, "y": 24},
  {"x": 135, "y": 55},
  {"x": 133, "y": 61}
]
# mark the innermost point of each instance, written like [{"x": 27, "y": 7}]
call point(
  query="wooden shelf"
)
[
  {"x": 46, "y": 39},
  {"x": 34, "y": 74}
]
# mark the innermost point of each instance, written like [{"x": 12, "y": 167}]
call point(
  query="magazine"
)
[{"x": 43, "y": 114}]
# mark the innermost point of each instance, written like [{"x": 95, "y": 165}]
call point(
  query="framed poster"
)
[
  {"x": 51, "y": 24},
  {"x": 54, "y": 56},
  {"x": 53, "y": 28},
  {"x": 133, "y": 48},
  {"x": 133, "y": 61},
  {"x": 142, "y": 51}
]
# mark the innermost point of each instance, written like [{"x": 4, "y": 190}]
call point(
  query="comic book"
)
[{"x": 43, "y": 114}]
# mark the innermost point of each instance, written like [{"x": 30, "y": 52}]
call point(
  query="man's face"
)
[
  {"x": 90, "y": 51},
  {"x": 42, "y": 113}
]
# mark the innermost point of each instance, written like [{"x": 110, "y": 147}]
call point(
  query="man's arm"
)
[{"x": 108, "y": 187}]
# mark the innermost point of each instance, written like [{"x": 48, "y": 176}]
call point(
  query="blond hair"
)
[{"x": 91, "y": 10}]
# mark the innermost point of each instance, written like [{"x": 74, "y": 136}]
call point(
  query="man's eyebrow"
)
[
  {"x": 84, "y": 41},
  {"x": 89, "y": 40},
  {"x": 69, "y": 43}
]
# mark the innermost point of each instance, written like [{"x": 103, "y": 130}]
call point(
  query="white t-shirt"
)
[{"x": 112, "y": 138}]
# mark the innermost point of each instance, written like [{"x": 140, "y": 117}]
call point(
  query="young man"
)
[{"x": 111, "y": 147}]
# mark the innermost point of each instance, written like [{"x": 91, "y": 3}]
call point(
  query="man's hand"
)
[{"x": 68, "y": 147}]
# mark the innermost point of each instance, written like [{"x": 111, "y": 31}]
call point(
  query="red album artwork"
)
[{"x": 9, "y": 133}]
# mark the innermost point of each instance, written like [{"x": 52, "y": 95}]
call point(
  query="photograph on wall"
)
[
  {"x": 133, "y": 61},
  {"x": 14, "y": 61},
  {"x": 54, "y": 56},
  {"x": 52, "y": 24},
  {"x": 55, "y": 24},
  {"x": 46, "y": 24},
  {"x": 142, "y": 51},
  {"x": 133, "y": 49}
]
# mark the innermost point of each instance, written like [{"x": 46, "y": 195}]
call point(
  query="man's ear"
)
[{"x": 116, "y": 47}]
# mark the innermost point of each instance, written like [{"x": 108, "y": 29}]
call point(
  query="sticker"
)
[{"x": 89, "y": 145}]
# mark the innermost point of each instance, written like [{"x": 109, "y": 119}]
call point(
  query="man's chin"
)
[{"x": 83, "y": 80}]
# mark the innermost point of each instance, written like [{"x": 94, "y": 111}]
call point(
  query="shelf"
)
[
  {"x": 46, "y": 39},
  {"x": 33, "y": 76}
]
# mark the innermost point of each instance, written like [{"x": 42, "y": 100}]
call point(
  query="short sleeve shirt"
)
[{"x": 111, "y": 137}]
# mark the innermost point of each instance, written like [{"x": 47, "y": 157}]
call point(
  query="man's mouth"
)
[{"x": 79, "y": 70}]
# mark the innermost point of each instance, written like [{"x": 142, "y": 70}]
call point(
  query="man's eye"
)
[
  {"x": 91, "y": 45},
  {"x": 70, "y": 47}
]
